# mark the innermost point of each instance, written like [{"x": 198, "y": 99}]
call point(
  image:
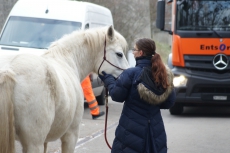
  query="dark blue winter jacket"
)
[{"x": 141, "y": 128}]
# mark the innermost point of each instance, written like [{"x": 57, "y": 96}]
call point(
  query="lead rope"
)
[
  {"x": 106, "y": 117},
  {"x": 106, "y": 101},
  {"x": 106, "y": 105}
]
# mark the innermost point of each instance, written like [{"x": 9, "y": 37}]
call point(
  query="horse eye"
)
[{"x": 119, "y": 55}]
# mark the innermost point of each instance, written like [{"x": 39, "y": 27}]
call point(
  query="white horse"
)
[{"x": 41, "y": 98}]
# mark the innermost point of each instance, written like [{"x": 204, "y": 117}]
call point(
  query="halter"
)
[{"x": 104, "y": 59}]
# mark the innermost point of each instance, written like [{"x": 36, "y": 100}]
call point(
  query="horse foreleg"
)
[
  {"x": 33, "y": 149},
  {"x": 69, "y": 139},
  {"x": 68, "y": 143}
]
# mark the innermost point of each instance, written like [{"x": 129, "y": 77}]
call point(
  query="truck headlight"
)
[{"x": 179, "y": 81}]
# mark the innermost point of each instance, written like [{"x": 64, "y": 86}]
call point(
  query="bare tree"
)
[
  {"x": 131, "y": 17},
  {"x": 5, "y": 7},
  {"x": 152, "y": 14}
]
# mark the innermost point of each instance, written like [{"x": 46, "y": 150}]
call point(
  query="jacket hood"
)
[{"x": 152, "y": 97}]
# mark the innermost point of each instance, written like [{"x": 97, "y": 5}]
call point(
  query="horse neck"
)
[
  {"x": 79, "y": 57},
  {"x": 85, "y": 62}
]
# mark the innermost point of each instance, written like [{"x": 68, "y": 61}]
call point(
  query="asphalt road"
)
[{"x": 197, "y": 130}]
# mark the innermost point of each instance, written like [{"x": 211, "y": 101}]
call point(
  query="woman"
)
[{"x": 146, "y": 89}]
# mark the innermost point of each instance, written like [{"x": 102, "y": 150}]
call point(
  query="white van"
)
[{"x": 33, "y": 24}]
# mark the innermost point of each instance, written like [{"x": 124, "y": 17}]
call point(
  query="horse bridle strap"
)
[
  {"x": 104, "y": 59},
  {"x": 107, "y": 107}
]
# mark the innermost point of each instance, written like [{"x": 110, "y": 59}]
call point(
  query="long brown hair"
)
[{"x": 159, "y": 71}]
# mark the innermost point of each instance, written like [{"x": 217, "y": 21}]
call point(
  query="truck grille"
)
[
  {"x": 212, "y": 90},
  {"x": 203, "y": 66}
]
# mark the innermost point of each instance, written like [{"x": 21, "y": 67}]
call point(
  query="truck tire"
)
[
  {"x": 176, "y": 110},
  {"x": 101, "y": 98}
]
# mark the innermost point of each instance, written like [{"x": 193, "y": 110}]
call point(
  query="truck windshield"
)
[
  {"x": 203, "y": 15},
  {"x": 35, "y": 32}
]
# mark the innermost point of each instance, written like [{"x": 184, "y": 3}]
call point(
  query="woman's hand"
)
[{"x": 104, "y": 76}]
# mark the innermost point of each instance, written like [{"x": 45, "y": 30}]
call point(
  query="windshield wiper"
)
[
  {"x": 9, "y": 48},
  {"x": 217, "y": 33},
  {"x": 209, "y": 33}
]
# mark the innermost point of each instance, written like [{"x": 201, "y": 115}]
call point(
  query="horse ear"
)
[{"x": 110, "y": 33}]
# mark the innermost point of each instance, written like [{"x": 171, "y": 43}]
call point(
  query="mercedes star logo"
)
[{"x": 220, "y": 61}]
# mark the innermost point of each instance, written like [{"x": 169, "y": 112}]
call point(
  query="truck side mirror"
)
[{"x": 160, "y": 21}]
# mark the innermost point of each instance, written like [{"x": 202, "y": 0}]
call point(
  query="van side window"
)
[{"x": 87, "y": 26}]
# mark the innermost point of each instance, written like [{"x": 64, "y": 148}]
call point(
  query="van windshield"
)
[{"x": 35, "y": 32}]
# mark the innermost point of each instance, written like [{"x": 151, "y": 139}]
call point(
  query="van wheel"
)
[
  {"x": 176, "y": 110},
  {"x": 101, "y": 98}
]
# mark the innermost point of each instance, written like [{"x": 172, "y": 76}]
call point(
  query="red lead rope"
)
[
  {"x": 106, "y": 117},
  {"x": 107, "y": 108}
]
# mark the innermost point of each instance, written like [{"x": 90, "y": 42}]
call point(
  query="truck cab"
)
[{"x": 200, "y": 53}]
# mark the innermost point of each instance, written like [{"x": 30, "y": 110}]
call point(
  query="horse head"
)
[
  {"x": 96, "y": 50},
  {"x": 112, "y": 58}
]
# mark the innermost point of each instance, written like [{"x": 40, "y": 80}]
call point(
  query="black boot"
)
[{"x": 96, "y": 116}]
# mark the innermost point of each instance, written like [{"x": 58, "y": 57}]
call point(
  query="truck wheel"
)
[
  {"x": 101, "y": 98},
  {"x": 176, "y": 110}
]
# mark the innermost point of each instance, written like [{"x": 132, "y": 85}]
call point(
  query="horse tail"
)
[{"x": 7, "y": 133}]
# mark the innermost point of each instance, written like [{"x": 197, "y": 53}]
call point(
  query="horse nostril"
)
[{"x": 119, "y": 55}]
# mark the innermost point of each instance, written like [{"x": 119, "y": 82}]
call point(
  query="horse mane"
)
[{"x": 95, "y": 38}]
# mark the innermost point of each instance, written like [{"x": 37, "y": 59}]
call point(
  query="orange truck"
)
[{"x": 200, "y": 51}]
